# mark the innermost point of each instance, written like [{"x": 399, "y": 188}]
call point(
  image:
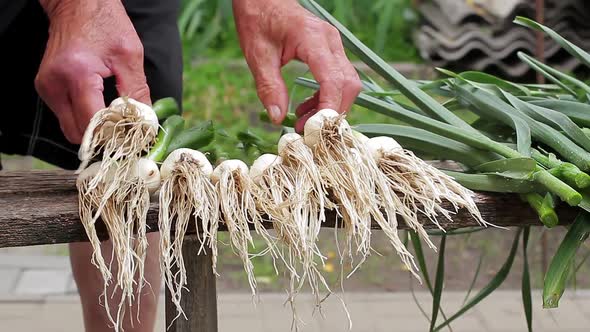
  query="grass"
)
[
  {"x": 208, "y": 28},
  {"x": 18, "y": 163}
]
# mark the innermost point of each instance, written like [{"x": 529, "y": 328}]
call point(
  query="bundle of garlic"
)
[
  {"x": 287, "y": 196},
  {"x": 117, "y": 190},
  {"x": 186, "y": 192},
  {"x": 421, "y": 186},
  {"x": 364, "y": 181},
  {"x": 239, "y": 211},
  {"x": 124, "y": 213},
  {"x": 308, "y": 204},
  {"x": 356, "y": 184}
]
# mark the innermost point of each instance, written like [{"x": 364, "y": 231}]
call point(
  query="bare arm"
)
[{"x": 88, "y": 40}]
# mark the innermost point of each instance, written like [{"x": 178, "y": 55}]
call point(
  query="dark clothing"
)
[{"x": 27, "y": 125}]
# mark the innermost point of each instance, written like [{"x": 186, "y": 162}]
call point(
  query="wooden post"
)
[{"x": 200, "y": 302}]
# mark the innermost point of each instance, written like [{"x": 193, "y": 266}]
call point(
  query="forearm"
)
[
  {"x": 261, "y": 7},
  {"x": 258, "y": 2}
]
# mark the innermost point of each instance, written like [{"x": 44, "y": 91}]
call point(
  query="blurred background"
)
[{"x": 415, "y": 36}]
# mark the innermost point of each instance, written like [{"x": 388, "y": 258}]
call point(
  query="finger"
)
[
  {"x": 351, "y": 87},
  {"x": 326, "y": 70},
  {"x": 352, "y": 84},
  {"x": 129, "y": 73},
  {"x": 270, "y": 86},
  {"x": 300, "y": 124},
  {"x": 308, "y": 104},
  {"x": 87, "y": 99},
  {"x": 59, "y": 104},
  {"x": 69, "y": 129},
  {"x": 62, "y": 109}
]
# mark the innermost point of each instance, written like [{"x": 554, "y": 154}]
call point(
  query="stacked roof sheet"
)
[{"x": 480, "y": 35}]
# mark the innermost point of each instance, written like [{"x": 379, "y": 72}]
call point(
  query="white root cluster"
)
[
  {"x": 285, "y": 193},
  {"x": 117, "y": 190},
  {"x": 239, "y": 210},
  {"x": 186, "y": 192},
  {"x": 124, "y": 215},
  {"x": 308, "y": 204},
  {"x": 356, "y": 184},
  {"x": 331, "y": 167},
  {"x": 422, "y": 187},
  {"x": 120, "y": 134}
]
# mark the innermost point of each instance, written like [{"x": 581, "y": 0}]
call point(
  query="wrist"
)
[{"x": 56, "y": 9}]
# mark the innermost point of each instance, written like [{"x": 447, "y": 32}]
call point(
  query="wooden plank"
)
[
  {"x": 42, "y": 208},
  {"x": 200, "y": 303},
  {"x": 37, "y": 182}
]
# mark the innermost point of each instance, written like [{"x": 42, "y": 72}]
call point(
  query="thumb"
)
[{"x": 271, "y": 88}]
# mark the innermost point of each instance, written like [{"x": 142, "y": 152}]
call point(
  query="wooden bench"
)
[{"x": 41, "y": 207}]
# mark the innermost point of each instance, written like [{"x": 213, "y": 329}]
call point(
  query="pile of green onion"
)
[{"x": 531, "y": 140}]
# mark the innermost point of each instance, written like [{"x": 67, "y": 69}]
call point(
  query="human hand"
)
[
  {"x": 274, "y": 32},
  {"x": 88, "y": 41}
]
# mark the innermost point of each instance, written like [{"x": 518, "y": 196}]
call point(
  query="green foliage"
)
[
  {"x": 208, "y": 28},
  {"x": 530, "y": 126},
  {"x": 438, "y": 282},
  {"x": 391, "y": 25},
  {"x": 496, "y": 281},
  {"x": 526, "y": 281},
  {"x": 560, "y": 267}
]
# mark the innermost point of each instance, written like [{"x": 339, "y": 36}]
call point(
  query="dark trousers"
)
[{"x": 27, "y": 125}]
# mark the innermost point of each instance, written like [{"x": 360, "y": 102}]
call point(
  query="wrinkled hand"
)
[
  {"x": 88, "y": 41},
  {"x": 274, "y": 32}
]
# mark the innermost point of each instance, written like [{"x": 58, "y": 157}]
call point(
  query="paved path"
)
[{"x": 37, "y": 293}]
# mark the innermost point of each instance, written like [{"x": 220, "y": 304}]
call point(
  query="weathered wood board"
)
[{"x": 41, "y": 207}]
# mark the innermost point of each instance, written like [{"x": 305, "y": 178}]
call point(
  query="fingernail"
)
[{"x": 274, "y": 112}]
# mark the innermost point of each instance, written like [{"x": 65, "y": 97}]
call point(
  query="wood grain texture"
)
[
  {"x": 200, "y": 303},
  {"x": 41, "y": 207}
]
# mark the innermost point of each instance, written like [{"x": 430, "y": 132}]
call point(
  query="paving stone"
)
[
  {"x": 57, "y": 317},
  {"x": 240, "y": 324},
  {"x": 43, "y": 282},
  {"x": 236, "y": 312},
  {"x": 34, "y": 262},
  {"x": 567, "y": 316},
  {"x": 62, "y": 298},
  {"x": 16, "y": 311},
  {"x": 8, "y": 279},
  {"x": 23, "y": 324},
  {"x": 21, "y": 298},
  {"x": 71, "y": 287}
]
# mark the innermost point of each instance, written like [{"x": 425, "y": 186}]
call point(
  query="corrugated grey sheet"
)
[{"x": 480, "y": 35}]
